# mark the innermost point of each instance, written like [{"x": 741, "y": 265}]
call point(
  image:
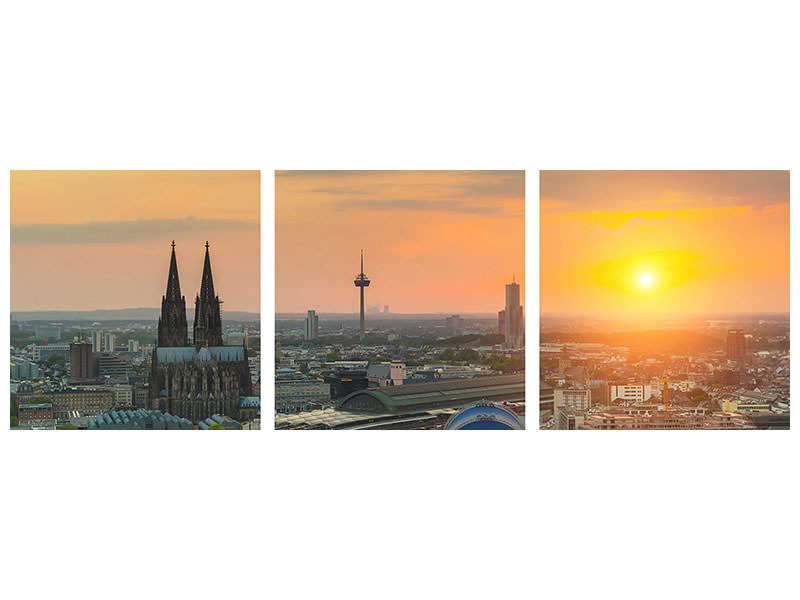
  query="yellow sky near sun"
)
[
  {"x": 101, "y": 239},
  {"x": 434, "y": 241},
  {"x": 669, "y": 242}
]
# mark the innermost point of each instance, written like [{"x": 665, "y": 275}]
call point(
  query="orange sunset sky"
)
[
  {"x": 85, "y": 240},
  {"x": 664, "y": 241},
  {"x": 434, "y": 241}
]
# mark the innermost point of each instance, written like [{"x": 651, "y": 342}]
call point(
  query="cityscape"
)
[
  {"x": 134, "y": 368},
  {"x": 376, "y": 367},
  {"x": 664, "y": 317}
]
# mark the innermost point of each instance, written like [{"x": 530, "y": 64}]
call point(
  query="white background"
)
[{"x": 425, "y": 85}]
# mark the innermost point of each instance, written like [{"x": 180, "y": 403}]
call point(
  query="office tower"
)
[
  {"x": 81, "y": 362},
  {"x": 361, "y": 282},
  {"x": 514, "y": 328},
  {"x": 386, "y": 309},
  {"x": 109, "y": 342},
  {"x": 735, "y": 344},
  {"x": 97, "y": 341},
  {"x": 501, "y": 322},
  {"x": 311, "y": 326},
  {"x": 455, "y": 325}
]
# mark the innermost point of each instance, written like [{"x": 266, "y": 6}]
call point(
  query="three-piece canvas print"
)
[{"x": 399, "y": 300}]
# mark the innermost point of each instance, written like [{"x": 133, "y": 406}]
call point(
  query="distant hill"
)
[
  {"x": 660, "y": 341},
  {"x": 118, "y": 314},
  {"x": 382, "y": 315}
]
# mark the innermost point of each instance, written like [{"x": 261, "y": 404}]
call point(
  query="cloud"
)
[
  {"x": 640, "y": 221},
  {"x": 579, "y": 191},
  {"x": 119, "y": 231},
  {"x": 421, "y": 205}
]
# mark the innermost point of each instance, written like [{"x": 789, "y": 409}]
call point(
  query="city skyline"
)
[
  {"x": 99, "y": 237},
  {"x": 433, "y": 241},
  {"x": 664, "y": 242}
]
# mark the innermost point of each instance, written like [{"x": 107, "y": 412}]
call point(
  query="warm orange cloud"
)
[
  {"x": 434, "y": 241},
  {"x": 679, "y": 242},
  {"x": 100, "y": 239}
]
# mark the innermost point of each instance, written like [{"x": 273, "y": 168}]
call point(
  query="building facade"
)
[
  {"x": 84, "y": 400},
  {"x": 735, "y": 347},
  {"x": 311, "y": 330},
  {"x": 42, "y": 353},
  {"x": 633, "y": 393},
  {"x": 455, "y": 325},
  {"x": 514, "y": 329},
  {"x": 82, "y": 363}
]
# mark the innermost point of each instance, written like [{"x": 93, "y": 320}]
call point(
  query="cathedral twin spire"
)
[{"x": 172, "y": 325}]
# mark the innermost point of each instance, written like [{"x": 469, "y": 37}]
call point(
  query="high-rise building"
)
[
  {"x": 513, "y": 317},
  {"x": 97, "y": 341},
  {"x": 311, "y": 326},
  {"x": 361, "y": 281},
  {"x": 501, "y": 322},
  {"x": 455, "y": 325},
  {"x": 82, "y": 364},
  {"x": 109, "y": 342},
  {"x": 386, "y": 309},
  {"x": 735, "y": 345}
]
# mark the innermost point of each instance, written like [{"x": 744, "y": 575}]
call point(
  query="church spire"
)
[
  {"x": 207, "y": 283},
  {"x": 172, "y": 326},
  {"x": 173, "y": 283},
  {"x": 207, "y": 319}
]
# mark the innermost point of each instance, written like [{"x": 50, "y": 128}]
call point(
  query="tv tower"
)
[{"x": 361, "y": 281}]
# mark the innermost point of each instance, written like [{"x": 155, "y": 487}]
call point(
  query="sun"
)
[{"x": 646, "y": 280}]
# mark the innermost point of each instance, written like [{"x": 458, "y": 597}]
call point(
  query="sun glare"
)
[{"x": 646, "y": 280}]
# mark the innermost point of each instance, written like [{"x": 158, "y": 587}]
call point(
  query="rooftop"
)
[{"x": 418, "y": 397}]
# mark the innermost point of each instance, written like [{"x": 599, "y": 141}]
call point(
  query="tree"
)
[
  {"x": 67, "y": 426},
  {"x": 332, "y": 357},
  {"x": 697, "y": 396},
  {"x": 55, "y": 359},
  {"x": 506, "y": 364}
]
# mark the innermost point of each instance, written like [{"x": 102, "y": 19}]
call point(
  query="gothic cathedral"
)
[{"x": 199, "y": 380}]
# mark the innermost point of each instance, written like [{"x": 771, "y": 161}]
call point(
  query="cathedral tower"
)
[
  {"x": 207, "y": 320},
  {"x": 172, "y": 327}
]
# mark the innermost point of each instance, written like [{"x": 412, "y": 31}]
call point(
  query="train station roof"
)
[{"x": 420, "y": 397}]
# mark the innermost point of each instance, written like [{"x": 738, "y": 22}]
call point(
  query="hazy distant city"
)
[{"x": 666, "y": 372}]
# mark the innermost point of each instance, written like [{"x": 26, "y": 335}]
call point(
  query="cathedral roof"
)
[{"x": 187, "y": 354}]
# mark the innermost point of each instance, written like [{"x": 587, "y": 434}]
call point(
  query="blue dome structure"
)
[{"x": 484, "y": 416}]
